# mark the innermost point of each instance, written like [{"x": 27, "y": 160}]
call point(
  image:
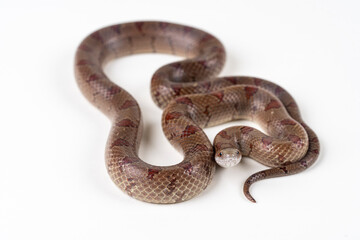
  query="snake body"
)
[{"x": 193, "y": 97}]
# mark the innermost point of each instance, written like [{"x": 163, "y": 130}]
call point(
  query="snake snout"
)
[{"x": 228, "y": 157}]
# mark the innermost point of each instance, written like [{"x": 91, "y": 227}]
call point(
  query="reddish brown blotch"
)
[
  {"x": 246, "y": 130},
  {"x": 85, "y": 48},
  {"x": 93, "y": 77},
  {"x": 287, "y": 122},
  {"x": 189, "y": 130},
  {"x": 177, "y": 89},
  {"x": 206, "y": 112},
  {"x": 177, "y": 66},
  {"x": 97, "y": 37},
  {"x": 127, "y": 104},
  {"x": 184, "y": 100},
  {"x": 316, "y": 151},
  {"x": 113, "y": 90},
  {"x": 272, "y": 104},
  {"x": 251, "y": 149},
  {"x": 83, "y": 62},
  {"x": 151, "y": 173},
  {"x": 172, "y": 115},
  {"x": 120, "y": 142},
  {"x": 163, "y": 25},
  {"x": 205, "y": 85},
  {"x": 224, "y": 134},
  {"x": 171, "y": 187},
  {"x": 187, "y": 29},
  {"x": 218, "y": 145},
  {"x": 291, "y": 105},
  {"x": 257, "y": 81},
  {"x": 198, "y": 148},
  {"x": 126, "y": 123},
  {"x": 116, "y": 28},
  {"x": 219, "y": 95},
  {"x": 295, "y": 139},
  {"x": 188, "y": 168},
  {"x": 250, "y": 91},
  {"x": 232, "y": 80},
  {"x": 278, "y": 91},
  {"x": 314, "y": 140},
  {"x": 266, "y": 141},
  {"x": 304, "y": 163},
  {"x": 139, "y": 26}
]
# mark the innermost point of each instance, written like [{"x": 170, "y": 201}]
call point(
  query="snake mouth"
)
[{"x": 228, "y": 157}]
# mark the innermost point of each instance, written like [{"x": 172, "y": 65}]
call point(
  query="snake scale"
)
[{"x": 193, "y": 97}]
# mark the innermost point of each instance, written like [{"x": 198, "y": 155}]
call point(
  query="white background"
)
[{"x": 53, "y": 181}]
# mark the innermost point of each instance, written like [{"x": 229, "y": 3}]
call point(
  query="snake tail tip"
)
[
  {"x": 248, "y": 195},
  {"x": 251, "y": 199}
]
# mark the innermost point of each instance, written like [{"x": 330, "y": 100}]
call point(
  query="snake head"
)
[{"x": 228, "y": 157}]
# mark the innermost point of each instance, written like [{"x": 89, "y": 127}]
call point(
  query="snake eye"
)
[
  {"x": 237, "y": 152},
  {"x": 220, "y": 154}
]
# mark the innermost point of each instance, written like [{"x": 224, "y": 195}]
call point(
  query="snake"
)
[{"x": 192, "y": 97}]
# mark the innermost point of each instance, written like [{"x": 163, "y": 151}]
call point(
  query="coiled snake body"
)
[{"x": 192, "y": 98}]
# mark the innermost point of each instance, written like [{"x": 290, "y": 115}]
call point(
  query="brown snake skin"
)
[{"x": 192, "y": 98}]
